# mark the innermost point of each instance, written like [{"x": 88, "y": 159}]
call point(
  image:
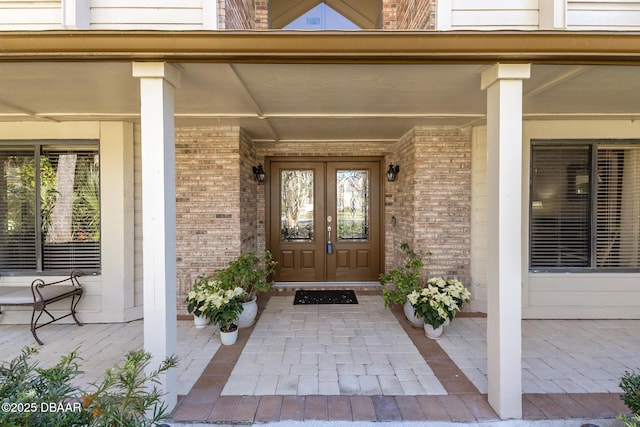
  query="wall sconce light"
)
[
  {"x": 258, "y": 172},
  {"x": 392, "y": 172}
]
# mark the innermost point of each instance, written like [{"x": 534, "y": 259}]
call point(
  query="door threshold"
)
[{"x": 291, "y": 285}]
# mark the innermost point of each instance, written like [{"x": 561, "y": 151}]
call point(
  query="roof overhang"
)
[
  {"x": 562, "y": 47},
  {"x": 317, "y": 86}
]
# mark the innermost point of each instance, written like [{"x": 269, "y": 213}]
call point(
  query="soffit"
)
[
  {"x": 313, "y": 102},
  {"x": 315, "y": 86}
]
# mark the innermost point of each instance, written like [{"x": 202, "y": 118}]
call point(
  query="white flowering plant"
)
[
  {"x": 440, "y": 300},
  {"x": 209, "y": 299}
]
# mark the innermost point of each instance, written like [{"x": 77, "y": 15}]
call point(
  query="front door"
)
[{"x": 325, "y": 220}]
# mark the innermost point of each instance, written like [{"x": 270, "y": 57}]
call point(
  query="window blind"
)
[
  {"x": 49, "y": 208},
  {"x": 618, "y": 207},
  {"x": 585, "y": 205},
  {"x": 70, "y": 209},
  {"x": 560, "y": 194},
  {"x": 17, "y": 210}
]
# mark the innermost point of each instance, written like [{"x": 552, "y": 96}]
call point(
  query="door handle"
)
[{"x": 329, "y": 243}]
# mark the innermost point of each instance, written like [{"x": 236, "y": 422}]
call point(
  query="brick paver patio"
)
[
  {"x": 211, "y": 400},
  {"x": 570, "y": 368}
]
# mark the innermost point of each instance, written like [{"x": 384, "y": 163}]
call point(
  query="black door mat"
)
[{"x": 325, "y": 297}]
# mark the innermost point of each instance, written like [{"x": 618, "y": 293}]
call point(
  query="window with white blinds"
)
[
  {"x": 49, "y": 207},
  {"x": 585, "y": 205}
]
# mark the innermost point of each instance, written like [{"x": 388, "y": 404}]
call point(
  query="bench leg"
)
[
  {"x": 34, "y": 322},
  {"x": 74, "y": 303}
]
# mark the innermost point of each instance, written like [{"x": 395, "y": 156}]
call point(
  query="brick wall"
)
[
  {"x": 395, "y": 14},
  {"x": 400, "y": 200},
  {"x": 389, "y": 14},
  {"x": 238, "y": 14},
  {"x": 220, "y": 209},
  {"x": 443, "y": 199},
  {"x": 222, "y": 14},
  {"x": 248, "y": 195},
  {"x": 431, "y": 200},
  {"x": 408, "y": 14},
  {"x": 416, "y": 15},
  {"x": 262, "y": 21},
  {"x": 215, "y": 201}
]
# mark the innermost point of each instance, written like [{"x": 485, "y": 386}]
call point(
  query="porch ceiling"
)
[{"x": 313, "y": 102}]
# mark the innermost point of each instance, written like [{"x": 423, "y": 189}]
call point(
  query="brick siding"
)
[
  {"x": 262, "y": 15},
  {"x": 239, "y": 14},
  {"x": 220, "y": 209},
  {"x": 443, "y": 200},
  {"x": 415, "y": 14},
  {"x": 208, "y": 202},
  {"x": 395, "y": 15},
  {"x": 248, "y": 195},
  {"x": 431, "y": 200}
]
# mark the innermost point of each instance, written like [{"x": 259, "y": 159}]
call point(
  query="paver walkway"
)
[
  {"x": 218, "y": 398},
  {"x": 330, "y": 350}
]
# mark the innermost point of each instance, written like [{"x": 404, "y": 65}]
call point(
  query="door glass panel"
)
[
  {"x": 353, "y": 204},
  {"x": 296, "y": 205}
]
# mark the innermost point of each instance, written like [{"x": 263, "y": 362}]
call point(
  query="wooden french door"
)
[{"x": 324, "y": 220}]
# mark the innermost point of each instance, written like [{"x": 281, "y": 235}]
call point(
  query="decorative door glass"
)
[
  {"x": 296, "y": 205},
  {"x": 353, "y": 204}
]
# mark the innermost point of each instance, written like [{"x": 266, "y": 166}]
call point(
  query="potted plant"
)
[
  {"x": 211, "y": 300},
  {"x": 438, "y": 302},
  {"x": 251, "y": 272},
  {"x": 196, "y": 300},
  {"x": 398, "y": 283}
]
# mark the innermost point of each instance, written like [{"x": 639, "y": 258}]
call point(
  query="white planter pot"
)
[
  {"x": 229, "y": 338},
  {"x": 432, "y": 333},
  {"x": 409, "y": 313},
  {"x": 248, "y": 314},
  {"x": 200, "y": 321}
]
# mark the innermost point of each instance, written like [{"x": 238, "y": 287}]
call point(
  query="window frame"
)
[
  {"x": 36, "y": 148},
  {"x": 594, "y": 145}
]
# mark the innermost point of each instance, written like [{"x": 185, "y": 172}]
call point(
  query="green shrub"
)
[
  {"x": 250, "y": 271},
  {"x": 633, "y": 421},
  {"x": 400, "y": 282},
  {"x": 630, "y": 385},
  {"x": 126, "y": 397},
  {"x": 27, "y": 392}
]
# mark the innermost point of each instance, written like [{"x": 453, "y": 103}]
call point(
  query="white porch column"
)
[
  {"x": 503, "y": 83},
  {"x": 157, "y": 83}
]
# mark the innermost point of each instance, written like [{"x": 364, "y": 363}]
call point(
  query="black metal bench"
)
[{"x": 40, "y": 295}]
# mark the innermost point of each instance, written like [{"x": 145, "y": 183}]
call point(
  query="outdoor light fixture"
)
[
  {"x": 258, "y": 172},
  {"x": 392, "y": 172}
]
